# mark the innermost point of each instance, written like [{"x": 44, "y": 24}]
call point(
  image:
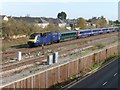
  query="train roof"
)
[
  {"x": 84, "y": 30},
  {"x": 35, "y": 33},
  {"x": 68, "y": 31},
  {"x": 95, "y": 29},
  {"x": 114, "y": 27}
]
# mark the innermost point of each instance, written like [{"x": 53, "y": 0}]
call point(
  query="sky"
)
[{"x": 51, "y": 9}]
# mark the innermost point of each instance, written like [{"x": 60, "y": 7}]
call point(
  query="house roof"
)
[
  {"x": 67, "y": 25},
  {"x": 55, "y": 21},
  {"x": 2, "y": 16},
  {"x": 41, "y": 20},
  {"x": 71, "y": 21},
  {"x": 93, "y": 19},
  {"x": 61, "y": 21},
  {"x": 28, "y": 19}
]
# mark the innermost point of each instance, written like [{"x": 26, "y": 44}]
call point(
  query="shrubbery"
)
[{"x": 14, "y": 27}]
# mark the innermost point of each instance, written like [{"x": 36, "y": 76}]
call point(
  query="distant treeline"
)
[{"x": 14, "y": 27}]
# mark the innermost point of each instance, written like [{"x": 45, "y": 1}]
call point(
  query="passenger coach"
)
[{"x": 37, "y": 39}]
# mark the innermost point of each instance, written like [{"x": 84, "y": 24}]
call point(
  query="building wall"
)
[
  {"x": 43, "y": 25},
  {"x": 62, "y": 72},
  {"x": 5, "y": 18},
  {"x": 61, "y": 24}
]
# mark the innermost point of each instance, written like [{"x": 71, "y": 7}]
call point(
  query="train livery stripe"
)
[{"x": 31, "y": 40}]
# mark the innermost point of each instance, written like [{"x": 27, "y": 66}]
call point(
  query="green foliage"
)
[
  {"x": 99, "y": 46},
  {"x": 102, "y": 22},
  {"x": 81, "y": 22},
  {"x": 116, "y": 23},
  {"x": 62, "y": 15},
  {"x": 15, "y": 27},
  {"x": 111, "y": 23},
  {"x": 53, "y": 28},
  {"x": 8, "y": 43},
  {"x": 19, "y": 27}
]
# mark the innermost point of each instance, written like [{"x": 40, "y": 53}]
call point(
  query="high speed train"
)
[{"x": 37, "y": 39}]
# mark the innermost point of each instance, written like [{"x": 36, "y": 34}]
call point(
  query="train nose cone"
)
[{"x": 30, "y": 44}]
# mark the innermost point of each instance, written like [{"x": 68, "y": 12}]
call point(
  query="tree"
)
[
  {"x": 62, "y": 15},
  {"x": 72, "y": 26},
  {"x": 102, "y": 22},
  {"x": 111, "y": 23},
  {"x": 8, "y": 28},
  {"x": 116, "y": 22},
  {"x": 81, "y": 22},
  {"x": 52, "y": 28},
  {"x": 15, "y": 27}
]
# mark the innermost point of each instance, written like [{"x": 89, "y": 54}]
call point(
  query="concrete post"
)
[
  {"x": 55, "y": 57},
  {"x": 50, "y": 59},
  {"x": 19, "y": 56}
]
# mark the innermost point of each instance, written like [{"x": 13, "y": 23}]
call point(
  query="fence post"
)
[
  {"x": 55, "y": 57},
  {"x": 50, "y": 59},
  {"x": 19, "y": 56}
]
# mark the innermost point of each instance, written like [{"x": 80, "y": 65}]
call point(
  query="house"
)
[
  {"x": 71, "y": 24},
  {"x": 68, "y": 27},
  {"x": 56, "y": 21},
  {"x": 42, "y": 23},
  {"x": 4, "y": 17},
  {"x": 92, "y": 23},
  {"x": 61, "y": 23},
  {"x": 34, "y": 20},
  {"x": 27, "y": 19}
]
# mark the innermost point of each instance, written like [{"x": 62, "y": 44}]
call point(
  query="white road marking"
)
[
  {"x": 115, "y": 74},
  {"x": 104, "y": 83},
  {"x": 92, "y": 73}
]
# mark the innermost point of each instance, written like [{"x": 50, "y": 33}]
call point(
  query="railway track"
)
[
  {"x": 61, "y": 45},
  {"x": 11, "y": 66},
  {"x": 11, "y": 54}
]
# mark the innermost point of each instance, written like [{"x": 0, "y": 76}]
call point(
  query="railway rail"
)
[
  {"x": 12, "y": 54},
  {"x": 61, "y": 45},
  {"x": 11, "y": 66}
]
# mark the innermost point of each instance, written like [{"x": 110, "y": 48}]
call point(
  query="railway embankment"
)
[
  {"x": 60, "y": 72},
  {"x": 19, "y": 69}
]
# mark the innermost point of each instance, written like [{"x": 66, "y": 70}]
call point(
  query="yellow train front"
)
[{"x": 34, "y": 40}]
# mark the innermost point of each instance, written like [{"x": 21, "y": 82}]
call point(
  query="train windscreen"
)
[{"x": 32, "y": 36}]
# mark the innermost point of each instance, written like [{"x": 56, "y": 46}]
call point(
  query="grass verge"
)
[
  {"x": 81, "y": 75},
  {"x": 6, "y": 44}
]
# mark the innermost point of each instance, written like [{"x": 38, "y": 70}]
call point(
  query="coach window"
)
[
  {"x": 44, "y": 35},
  {"x": 41, "y": 34}
]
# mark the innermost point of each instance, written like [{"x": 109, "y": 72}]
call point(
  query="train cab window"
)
[
  {"x": 43, "y": 34},
  {"x": 38, "y": 37},
  {"x": 32, "y": 36}
]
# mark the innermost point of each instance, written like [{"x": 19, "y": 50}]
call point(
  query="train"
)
[{"x": 38, "y": 39}]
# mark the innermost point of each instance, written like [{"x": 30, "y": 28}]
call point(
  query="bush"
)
[
  {"x": 19, "y": 27},
  {"x": 14, "y": 27}
]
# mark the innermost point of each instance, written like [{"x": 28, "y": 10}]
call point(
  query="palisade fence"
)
[{"x": 57, "y": 74}]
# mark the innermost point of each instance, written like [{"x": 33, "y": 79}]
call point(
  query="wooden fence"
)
[{"x": 57, "y": 74}]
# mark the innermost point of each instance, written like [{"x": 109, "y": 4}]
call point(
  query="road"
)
[{"x": 106, "y": 77}]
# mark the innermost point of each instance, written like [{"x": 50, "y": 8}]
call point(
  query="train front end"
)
[{"x": 33, "y": 40}]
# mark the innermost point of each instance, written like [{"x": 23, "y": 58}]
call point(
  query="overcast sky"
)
[{"x": 51, "y": 9}]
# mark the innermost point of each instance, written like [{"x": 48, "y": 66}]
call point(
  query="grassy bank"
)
[
  {"x": 81, "y": 74},
  {"x": 12, "y": 43}
]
